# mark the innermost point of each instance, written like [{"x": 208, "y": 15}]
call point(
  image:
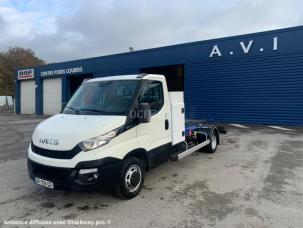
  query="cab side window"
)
[{"x": 153, "y": 94}]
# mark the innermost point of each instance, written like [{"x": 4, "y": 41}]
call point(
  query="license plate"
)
[{"x": 44, "y": 183}]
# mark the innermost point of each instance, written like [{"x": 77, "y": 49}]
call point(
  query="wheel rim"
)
[
  {"x": 213, "y": 142},
  {"x": 133, "y": 177}
]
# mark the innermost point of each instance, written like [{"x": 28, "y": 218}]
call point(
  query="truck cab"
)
[{"x": 111, "y": 132}]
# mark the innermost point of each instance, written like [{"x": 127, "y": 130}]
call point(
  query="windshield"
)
[{"x": 103, "y": 98}]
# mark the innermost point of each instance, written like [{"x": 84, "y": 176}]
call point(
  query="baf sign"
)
[
  {"x": 25, "y": 74},
  {"x": 245, "y": 48}
]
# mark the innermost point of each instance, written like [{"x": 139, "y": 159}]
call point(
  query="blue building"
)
[{"x": 255, "y": 78}]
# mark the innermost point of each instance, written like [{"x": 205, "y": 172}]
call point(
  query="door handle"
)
[{"x": 166, "y": 124}]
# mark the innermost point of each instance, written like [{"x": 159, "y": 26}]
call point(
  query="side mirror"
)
[{"x": 144, "y": 113}]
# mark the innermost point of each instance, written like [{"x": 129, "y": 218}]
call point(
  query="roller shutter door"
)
[
  {"x": 264, "y": 90},
  {"x": 52, "y": 96},
  {"x": 27, "y": 100}
]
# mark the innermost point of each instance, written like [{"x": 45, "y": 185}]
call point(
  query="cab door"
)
[{"x": 154, "y": 136}]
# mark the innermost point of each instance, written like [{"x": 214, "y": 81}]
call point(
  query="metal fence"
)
[{"x": 8, "y": 107}]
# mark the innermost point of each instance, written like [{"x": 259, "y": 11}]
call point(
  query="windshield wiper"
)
[
  {"x": 76, "y": 110},
  {"x": 92, "y": 110}
]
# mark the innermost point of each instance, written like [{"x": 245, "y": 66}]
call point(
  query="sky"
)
[{"x": 62, "y": 30}]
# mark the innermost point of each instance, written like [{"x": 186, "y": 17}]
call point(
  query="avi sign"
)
[
  {"x": 25, "y": 74},
  {"x": 245, "y": 47}
]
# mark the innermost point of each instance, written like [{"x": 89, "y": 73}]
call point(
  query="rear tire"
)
[
  {"x": 212, "y": 146},
  {"x": 131, "y": 178}
]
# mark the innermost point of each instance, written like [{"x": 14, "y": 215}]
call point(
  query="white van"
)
[{"x": 111, "y": 132}]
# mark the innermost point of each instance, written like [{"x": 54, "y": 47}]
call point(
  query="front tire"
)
[{"x": 131, "y": 178}]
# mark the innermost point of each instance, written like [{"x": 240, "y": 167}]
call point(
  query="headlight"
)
[{"x": 98, "y": 141}]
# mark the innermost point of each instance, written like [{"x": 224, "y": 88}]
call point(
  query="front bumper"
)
[{"x": 108, "y": 174}]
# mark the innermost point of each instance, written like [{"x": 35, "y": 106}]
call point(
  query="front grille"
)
[
  {"x": 59, "y": 154},
  {"x": 48, "y": 172}
]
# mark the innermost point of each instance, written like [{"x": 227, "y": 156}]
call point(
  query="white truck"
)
[{"x": 111, "y": 132}]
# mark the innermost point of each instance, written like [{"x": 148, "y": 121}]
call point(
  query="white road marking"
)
[
  {"x": 239, "y": 125},
  {"x": 25, "y": 121},
  {"x": 280, "y": 128},
  {"x": 286, "y": 152}
]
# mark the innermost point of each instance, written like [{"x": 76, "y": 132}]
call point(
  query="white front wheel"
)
[{"x": 131, "y": 178}]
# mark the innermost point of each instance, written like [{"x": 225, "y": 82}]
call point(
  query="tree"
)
[{"x": 15, "y": 57}]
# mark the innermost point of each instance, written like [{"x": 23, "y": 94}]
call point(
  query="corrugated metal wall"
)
[
  {"x": 260, "y": 90},
  {"x": 263, "y": 85}
]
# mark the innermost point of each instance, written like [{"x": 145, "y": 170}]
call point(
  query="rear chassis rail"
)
[
  {"x": 197, "y": 136},
  {"x": 178, "y": 156}
]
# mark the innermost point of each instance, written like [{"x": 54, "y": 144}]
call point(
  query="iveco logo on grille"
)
[{"x": 49, "y": 141}]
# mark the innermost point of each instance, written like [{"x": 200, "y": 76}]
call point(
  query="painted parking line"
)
[
  {"x": 281, "y": 128},
  {"x": 24, "y": 122},
  {"x": 239, "y": 125}
]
